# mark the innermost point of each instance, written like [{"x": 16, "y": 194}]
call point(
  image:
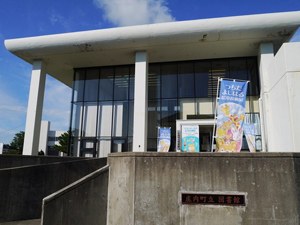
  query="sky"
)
[{"x": 28, "y": 18}]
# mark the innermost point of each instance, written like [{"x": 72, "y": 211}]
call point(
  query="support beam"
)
[
  {"x": 265, "y": 57},
  {"x": 140, "y": 102},
  {"x": 35, "y": 108}
]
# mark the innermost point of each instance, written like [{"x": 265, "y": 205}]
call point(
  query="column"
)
[
  {"x": 265, "y": 57},
  {"x": 35, "y": 108},
  {"x": 140, "y": 102}
]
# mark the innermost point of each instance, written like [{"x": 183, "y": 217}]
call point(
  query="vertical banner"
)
[
  {"x": 231, "y": 114},
  {"x": 164, "y": 139},
  {"x": 190, "y": 138},
  {"x": 249, "y": 131}
]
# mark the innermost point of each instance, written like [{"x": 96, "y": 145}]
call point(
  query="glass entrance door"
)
[{"x": 206, "y": 134}]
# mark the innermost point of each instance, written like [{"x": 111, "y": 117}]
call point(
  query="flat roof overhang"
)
[{"x": 184, "y": 40}]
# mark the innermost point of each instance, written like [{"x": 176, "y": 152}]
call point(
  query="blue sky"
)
[{"x": 26, "y": 18}]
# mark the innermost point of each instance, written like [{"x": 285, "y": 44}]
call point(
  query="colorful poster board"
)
[
  {"x": 231, "y": 114},
  {"x": 249, "y": 131},
  {"x": 190, "y": 138},
  {"x": 164, "y": 139}
]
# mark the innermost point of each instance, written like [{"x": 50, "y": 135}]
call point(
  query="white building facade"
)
[
  {"x": 49, "y": 138},
  {"x": 128, "y": 81}
]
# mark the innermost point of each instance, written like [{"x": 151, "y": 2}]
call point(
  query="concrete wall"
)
[
  {"x": 144, "y": 188},
  {"x": 23, "y": 188},
  {"x": 283, "y": 97},
  {"x": 10, "y": 161},
  {"x": 82, "y": 202}
]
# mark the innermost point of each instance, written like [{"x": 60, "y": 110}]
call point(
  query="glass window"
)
[
  {"x": 91, "y": 85},
  {"x": 205, "y": 106},
  {"x": 186, "y": 82},
  {"x": 238, "y": 69},
  {"x": 120, "y": 122},
  {"x": 121, "y": 84},
  {"x": 202, "y": 72},
  {"x": 219, "y": 69},
  {"x": 106, "y": 84},
  {"x": 187, "y": 107},
  {"x": 254, "y": 85},
  {"x": 76, "y": 118},
  {"x": 78, "y": 85},
  {"x": 169, "y": 114},
  {"x": 104, "y": 147},
  {"x": 131, "y": 82},
  {"x": 153, "y": 118},
  {"x": 105, "y": 119},
  {"x": 154, "y": 81},
  {"x": 152, "y": 144},
  {"x": 169, "y": 80},
  {"x": 130, "y": 118},
  {"x": 89, "y": 119},
  {"x": 130, "y": 144},
  {"x": 76, "y": 147},
  {"x": 119, "y": 145}
]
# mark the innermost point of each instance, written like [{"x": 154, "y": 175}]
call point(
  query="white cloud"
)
[
  {"x": 57, "y": 19},
  {"x": 57, "y": 102},
  {"x": 135, "y": 12}
]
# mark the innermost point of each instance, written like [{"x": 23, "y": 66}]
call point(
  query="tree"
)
[
  {"x": 63, "y": 143},
  {"x": 18, "y": 141}
]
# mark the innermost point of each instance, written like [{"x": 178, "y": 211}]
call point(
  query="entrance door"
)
[{"x": 206, "y": 127}]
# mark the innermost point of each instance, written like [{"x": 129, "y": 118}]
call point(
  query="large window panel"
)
[
  {"x": 76, "y": 147},
  {"x": 186, "y": 82},
  {"x": 220, "y": 68},
  {"x": 169, "y": 80},
  {"x": 76, "y": 119},
  {"x": 105, "y": 119},
  {"x": 106, "y": 83},
  {"x": 254, "y": 85},
  {"x": 187, "y": 107},
  {"x": 89, "y": 119},
  {"x": 91, "y": 85},
  {"x": 169, "y": 114},
  {"x": 130, "y": 117},
  {"x": 153, "y": 118},
  {"x": 78, "y": 85},
  {"x": 238, "y": 69},
  {"x": 119, "y": 145},
  {"x": 120, "y": 122},
  {"x": 152, "y": 144},
  {"x": 121, "y": 84},
  {"x": 131, "y": 82},
  {"x": 104, "y": 147},
  {"x": 154, "y": 81},
  {"x": 202, "y": 72},
  {"x": 130, "y": 144},
  {"x": 205, "y": 106}
]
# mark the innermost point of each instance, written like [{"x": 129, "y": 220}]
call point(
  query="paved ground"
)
[{"x": 24, "y": 222}]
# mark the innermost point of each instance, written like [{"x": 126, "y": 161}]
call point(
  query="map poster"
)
[
  {"x": 190, "y": 138},
  {"x": 164, "y": 139}
]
